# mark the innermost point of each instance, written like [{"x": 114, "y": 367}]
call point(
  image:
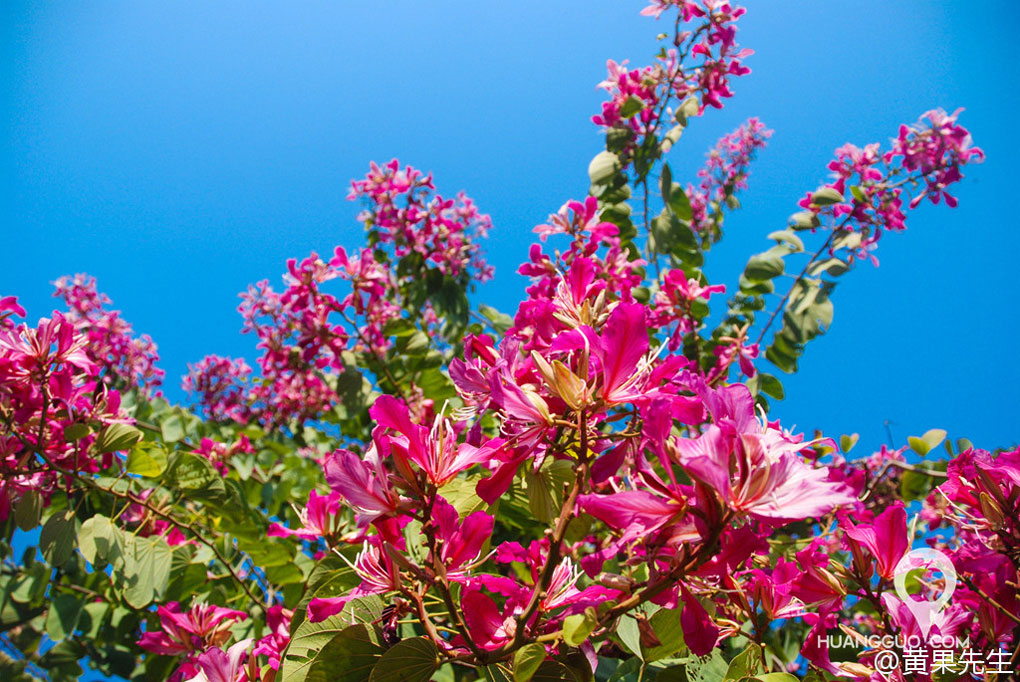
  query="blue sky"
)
[{"x": 178, "y": 151}]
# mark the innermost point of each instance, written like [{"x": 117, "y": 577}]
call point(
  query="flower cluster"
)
[
  {"x": 936, "y": 146},
  {"x": 50, "y": 401},
  {"x": 124, "y": 360},
  {"x": 866, "y": 196},
  {"x": 696, "y": 72},
  {"x": 221, "y": 382},
  {"x": 403, "y": 209},
  {"x": 301, "y": 340},
  {"x": 194, "y": 633},
  {"x": 724, "y": 173},
  {"x": 570, "y": 285},
  {"x": 577, "y": 361},
  {"x": 633, "y": 97},
  {"x": 305, "y": 331}
]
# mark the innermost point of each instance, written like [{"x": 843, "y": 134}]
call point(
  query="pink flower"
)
[
  {"x": 624, "y": 341},
  {"x": 885, "y": 539},
  {"x": 700, "y": 632},
  {"x": 724, "y": 173},
  {"x": 9, "y": 308},
  {"x": 363, "y": 483},
  {"x": 318, "y": 518},
  {"x": 275, "y": 642},
  {"x": 489, "y": 625},
  {"x": 435, "y": 451},
  {"x": 462, "y": 541},
  {"x": 638, "y": 512},
  {"x": 754, "y": 467},
  {"x": 54, "y": 342},
  {"x": 220, "y": 385},
  {"x": 123, "y": 358},
  {"x": 216, "y": 665},
  {"x": 201, "y": 626},
  {"x": 378, "y": 575}
]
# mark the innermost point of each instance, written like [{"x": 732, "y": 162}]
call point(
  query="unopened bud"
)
[
  {"x": 990, "y": 509},
  {"x": 616, "y": 581},
  {"x": 568, "y": 386}
]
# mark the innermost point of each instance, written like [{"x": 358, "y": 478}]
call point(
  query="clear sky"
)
[{"x": 180, "y": 150}]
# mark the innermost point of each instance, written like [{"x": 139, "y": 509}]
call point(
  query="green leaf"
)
[
  {"x": 172, "y": 428},
  {"x": 527, "y": 661},
  {"x": 763, "y": 266},
  {"x": 497, "y": 672},
  {"x": 776, "y": 677},
  {"x": 410, "y": 660},
  {"x": 745, "y": 664},
  {"x": 186, "y": 582},
  {"x": 269, "y": 554},
  {"x": 771, "y": 385},
  {"x": 926, "y": 443},
  {"x": 147, "y": 459},
  {"x": 28, "y": 510},
  {"x": 147, "y": 570},
  {"x": 628, "y": 670},
  {"x": 349, "y": 656},
  {"x": 57, "y": 538},
  {"x": 285, "y": 574},
  {"x": 826, "y": 196},
  {"x": 847, "y": 443},
  {"x": 501, "y": 321},
  {"x": 76, "y": 431},
  {"x": 545, "y": 488},
  {"x": 554, "y": 671},
  {"x": 680, "y": 204},
  {"x": 914, "y": 485},
  {"x": 628, "y": 632},
  {"x": 461, "y": 493},
  {"x": 631, "y": 106},
  {"x": 310, "y": 638},
  {"x": 577, "y": 627},
  {"x": 833, "y": 266},
  {"x": 193, "y": 473},
  {"x": 804, "y": 220},
  {"x": 100, "y": 542},
  {"x": 398, "y": 326},
  {"x": 62, "y": 617},
  {"x": 618, "y": 137},
  {"x": 31, "y": 585},
  {"x": 665, "y": 623},
  {"x": 603, "y": 167},
  {"x": 788, "y": 237},
  {"x": 116, "y": 437},
  {"x": 689, "y": 107}
]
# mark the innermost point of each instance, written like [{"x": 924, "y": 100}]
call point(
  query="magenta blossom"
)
[
  {"x": 754, "y": 467},
  {"x": 436, "y": 452},
  {"x": 203, "y": 625}
]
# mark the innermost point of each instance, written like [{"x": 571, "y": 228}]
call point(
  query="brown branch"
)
[{"x": 555, "y": 542}]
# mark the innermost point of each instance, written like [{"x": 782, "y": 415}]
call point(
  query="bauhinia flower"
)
[
  {"x": 754, "y": 467},
  {"x": 203, "y": 625},
  {"x": 216, "y": 665},
  {"x": 363, "y": 483},
  {"x": 884, "y": 539},
  {"x": 435, "y": 451}
]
